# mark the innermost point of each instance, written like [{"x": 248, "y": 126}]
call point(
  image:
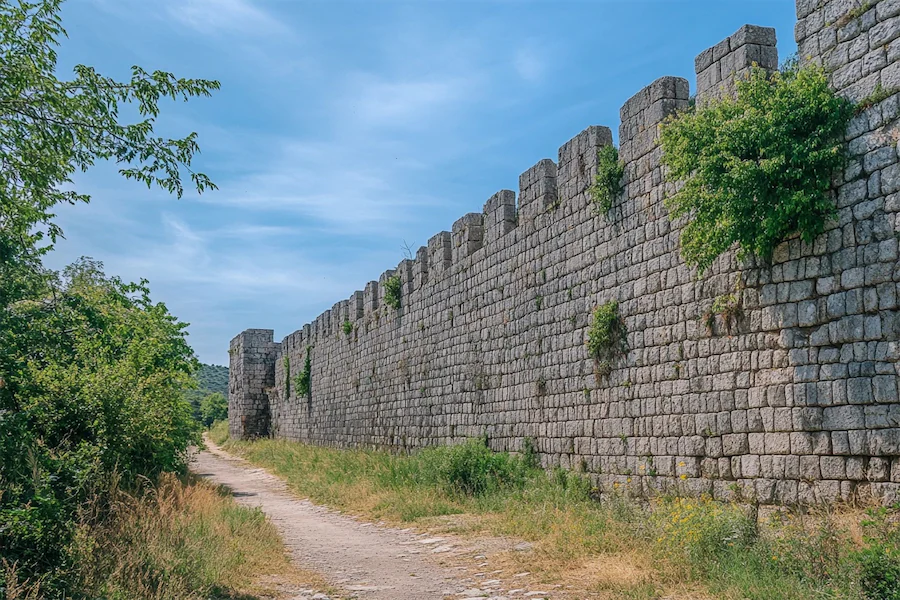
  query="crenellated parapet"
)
[
  {"x": 499, "y": 216},
  {"x": 731, "y": 59},
  {"x": 791, "y": 399}
]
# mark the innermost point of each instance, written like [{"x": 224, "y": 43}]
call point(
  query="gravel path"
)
[{"x": 369, "y": 561}]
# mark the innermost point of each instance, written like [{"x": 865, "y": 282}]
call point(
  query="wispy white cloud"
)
[
  {"x": 224, "y": 16},
  {"x": 354, "y": 189},
  {"x": 402, "y": 102},
  {"x": 189, "y": 258}
]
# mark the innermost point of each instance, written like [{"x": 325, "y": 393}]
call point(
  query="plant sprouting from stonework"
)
[
  {"x": 347, "y": 327},
  {"x": 286, "y": 362},
  {"x": 728, "y": 307},
  {"x": 608, "y": 182},
  {"x": 304, "y": 377},
  {"x": 757, "y": 168},
  {"x": 392, "y": 289},
  {"x": 606, "y": 336}
]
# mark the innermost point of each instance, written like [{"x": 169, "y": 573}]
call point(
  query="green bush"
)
[
  {"x": 472, "y": 468},
  {"x": 608, "y": 182},
  {"x": 347, "y": 327},
  {"x": 392, "y": 291},
  {"x": 606, "y": 335},
  {"x": 97, "y": 397},
  {"x": 757, "y": 168},
  {"x": 213, "y": 407},
  {"x": 879, "y": 573}
]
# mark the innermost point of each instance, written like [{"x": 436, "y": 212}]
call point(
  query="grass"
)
[
  {"x": 615, "y": 548},
  {"x": 182, "y": 538}
]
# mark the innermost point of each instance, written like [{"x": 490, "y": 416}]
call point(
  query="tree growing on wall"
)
[{"x": 756, "y": 168}]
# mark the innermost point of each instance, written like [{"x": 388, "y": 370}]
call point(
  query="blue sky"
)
[{"x": 345, "y": 129}]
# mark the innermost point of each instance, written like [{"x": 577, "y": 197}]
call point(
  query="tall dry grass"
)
[
  {"x": 178, "y": 540},
  {"x": 184, "y": 539}
]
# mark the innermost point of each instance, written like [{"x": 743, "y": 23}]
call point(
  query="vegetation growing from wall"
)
[
  {"x": 757, "y": 168},
  {"x": 728, "y": 307},
  {"x": 392, "y": 292},
  {"x": 286, "y": 364},
  {"x": 606, "y": 336},
  {"x": 347, "y": 327},
  {"x": 304, "y": 377},
  {"x": 608, "y": 182}
]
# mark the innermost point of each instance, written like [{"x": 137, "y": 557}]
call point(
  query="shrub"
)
[
  {"x": 608, "y": 182},
  {"x": 473, "y": 469},
  {"x": 304, "y": 377},
  {"x": 347, "y": 327},
  {"x": 97, "y": 395},
  {"x": 530, "y": 455},
  {"x": 702, "y": 530},
  {"x": 392, "y": 290},
  {"x": 213, "y": 407},
  {"x": 879, "y": 573},
  {"x": 728, "y": 307},
  {"x": 606, "y": 335},
  {"x": 757, "y": 168}
]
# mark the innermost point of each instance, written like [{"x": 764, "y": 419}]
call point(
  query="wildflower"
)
[{"x": 683, "y": 476}]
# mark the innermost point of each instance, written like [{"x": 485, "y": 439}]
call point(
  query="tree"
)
[
  {"x": 91, "y": 370},
  {"x": 99, "y": 399},
  {"x": 214, "y": 407},
  {"x": 49, "y": 129},
  {"x": 757, "y": 168}
]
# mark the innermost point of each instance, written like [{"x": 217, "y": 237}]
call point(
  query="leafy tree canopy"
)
[{"x": 214, "y": 407}]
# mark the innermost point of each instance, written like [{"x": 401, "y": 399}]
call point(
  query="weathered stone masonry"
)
[{"x": 799, "y": 403}]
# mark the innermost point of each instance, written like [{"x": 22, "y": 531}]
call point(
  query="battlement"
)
[
  {"x": 790, "y": 402},
  {"x": 720, "y": 66}
]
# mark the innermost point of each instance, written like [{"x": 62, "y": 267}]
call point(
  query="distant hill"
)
[
  {"x": 210, "y": 379},
  {"x": 213, "y": 378}
]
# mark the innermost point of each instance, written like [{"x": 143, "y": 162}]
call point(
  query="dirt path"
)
[{"x": 370, "y": 561}]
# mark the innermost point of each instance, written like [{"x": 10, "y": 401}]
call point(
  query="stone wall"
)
[
  {"x": 794, "y": 401},
  {"x": 251, "y": 374}
]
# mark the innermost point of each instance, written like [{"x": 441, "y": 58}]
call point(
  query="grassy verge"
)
[
  {"x": 181, "y": 539},
  {"x": 617, "y": 548}
]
